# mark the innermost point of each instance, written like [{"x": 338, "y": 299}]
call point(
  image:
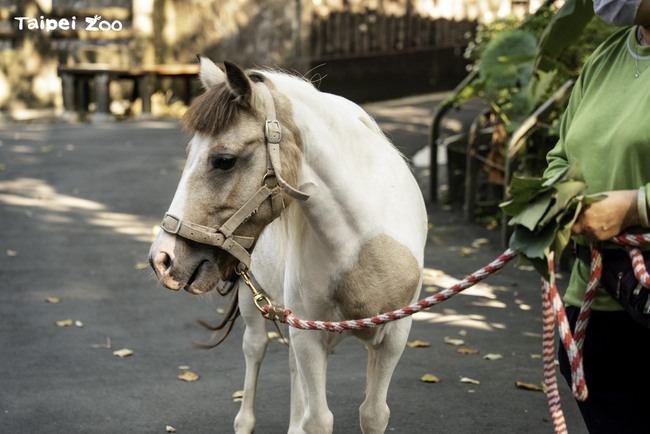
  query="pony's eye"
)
[{"x": 224, "y": 162}]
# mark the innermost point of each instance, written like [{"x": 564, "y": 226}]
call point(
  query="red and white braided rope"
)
[
  {"x": 553, "y": 308},
  {"x": 632, "y": 242},
  {"x": 341, "y": 326},
  {"x": 548, "y": 358}
]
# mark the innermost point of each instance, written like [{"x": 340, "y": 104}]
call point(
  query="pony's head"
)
[{"x": 241, "y": 160}]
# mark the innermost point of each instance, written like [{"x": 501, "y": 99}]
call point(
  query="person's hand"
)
[{"x": 609, "y": 217}]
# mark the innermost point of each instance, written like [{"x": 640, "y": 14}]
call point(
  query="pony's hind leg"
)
[
  {"x": 382, "y": 359},
  {"x": 254, "y": 346}
]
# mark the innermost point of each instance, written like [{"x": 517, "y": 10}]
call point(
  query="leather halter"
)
[{"x": 273, "y": 185}]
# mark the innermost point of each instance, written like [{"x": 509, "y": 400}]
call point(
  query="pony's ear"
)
[
  {"x": 239, "y": 84},
  {"x": 209, "y": 73}
]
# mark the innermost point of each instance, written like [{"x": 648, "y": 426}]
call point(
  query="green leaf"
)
[
  {"x": 564, "y": 28},
  {"x": 540, "y": 265},
  {"x": 522, "y": 191},
  {"x": 539, "y": 84},
  {"x": 531, "y": 216},
  {"x": 564, "y": 195},
  {"x": 532, "y": 244},
  {"x": 502, "y": 65}
]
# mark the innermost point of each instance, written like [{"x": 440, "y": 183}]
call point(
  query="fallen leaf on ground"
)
[
  {"x": 529, "y": 386},
  {"x": 12, "y": 253},
  {"x": 78, "y": 323},
  {"x": 466, "y": 251},
  {"x": 524, "y": 267},
  {"x": 479, "y": 242},
  {"x": 273, "y": 335},
  {"x": 493, "y": 356},
  {"x": 64, "y": 323},
  {"x": 462, "y": 333},
  {"x": 468, "y": 350},
  {"x": 535, "y": 356},
  {"x": 431, "y": 289},
  {"x": 141, "y": 266},
  {"x": 469, "y": 380},
  {"x": 124, "y": 352},
  {"x": 429, "y": 378},
  {"x": 183, "y": 367},
  {"x": 418, "y": 344},
  {"x": 170, "y": 428},
  {"x": 452, "y": 341},
  {"x": 188, "y": 376},
  {"x": 238, "y": 396},
  {"x": 53, "y": 300}
]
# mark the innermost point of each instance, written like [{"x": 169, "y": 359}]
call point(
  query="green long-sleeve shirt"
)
[{"x": 605, "y": 132}]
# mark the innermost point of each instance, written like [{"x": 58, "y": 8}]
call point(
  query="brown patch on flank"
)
[{"x": 385, "y": 277}]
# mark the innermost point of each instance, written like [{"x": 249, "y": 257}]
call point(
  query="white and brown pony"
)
[{"x": 301, "y": 188}]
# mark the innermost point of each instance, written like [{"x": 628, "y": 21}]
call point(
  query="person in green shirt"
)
[{"x": 605, "y": 133}]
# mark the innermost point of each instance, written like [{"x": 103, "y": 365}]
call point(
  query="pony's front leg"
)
[
  {"x": 254, "y": 345},
  {"x": 297, "y": 398},
  {"x": 311, "y": 355},
  {"x": 382, "y": 360}
]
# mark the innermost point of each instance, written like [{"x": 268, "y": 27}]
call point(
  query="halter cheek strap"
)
[
  {"x": 273, "y": 185},
  {"x": 273, "y": 133}
]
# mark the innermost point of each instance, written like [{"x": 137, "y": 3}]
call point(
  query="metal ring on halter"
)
[
  {"x": 268, "y": 175},
  {"x": 257, "y": 295}
]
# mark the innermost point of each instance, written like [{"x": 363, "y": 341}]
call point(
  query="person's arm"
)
[{"x": 557, "y": 157}]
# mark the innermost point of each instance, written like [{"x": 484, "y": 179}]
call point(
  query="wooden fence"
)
[{"x": 343, "y": 33}]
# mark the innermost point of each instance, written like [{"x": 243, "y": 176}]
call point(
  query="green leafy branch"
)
[{"x": 543, "y": 211}]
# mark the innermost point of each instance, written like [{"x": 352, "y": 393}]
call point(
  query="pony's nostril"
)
[{"x": 162, "y": 262}]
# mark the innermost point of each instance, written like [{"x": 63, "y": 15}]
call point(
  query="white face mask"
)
[{"x": 617, "y": 12}]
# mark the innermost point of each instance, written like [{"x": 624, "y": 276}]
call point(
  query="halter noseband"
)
[{"x": 272, "y": 187}]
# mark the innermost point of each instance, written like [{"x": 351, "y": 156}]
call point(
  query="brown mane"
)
[{"x": 212, "y": 111}]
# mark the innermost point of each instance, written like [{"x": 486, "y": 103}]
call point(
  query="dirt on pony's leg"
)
[{"x": 382, "y": 360}]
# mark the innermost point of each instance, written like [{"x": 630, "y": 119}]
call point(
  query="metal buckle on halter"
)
[
  {"x": 177, "y": 227},
  {"x": 273, "y": 131}
]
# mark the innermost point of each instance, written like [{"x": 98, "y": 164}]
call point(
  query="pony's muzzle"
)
[
  {"x": 161, "y": 259},
  {"x": 161, "y": 262}
]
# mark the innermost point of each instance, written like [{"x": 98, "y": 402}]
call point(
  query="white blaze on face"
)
[{"x": 197, "y": 151}]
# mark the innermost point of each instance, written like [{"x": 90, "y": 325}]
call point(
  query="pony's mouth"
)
[{"x": 196, "y": 283}]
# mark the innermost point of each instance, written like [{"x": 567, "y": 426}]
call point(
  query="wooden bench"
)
[{"x": 78, "y": 80}]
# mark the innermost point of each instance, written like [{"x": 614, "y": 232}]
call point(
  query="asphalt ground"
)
[{"x": 77, "y": 207}]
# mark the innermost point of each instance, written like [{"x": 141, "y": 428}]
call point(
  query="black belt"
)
[{"x": 610, "y": 256}]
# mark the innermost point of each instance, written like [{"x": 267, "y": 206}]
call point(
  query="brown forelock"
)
[
  {"x": 217, "y": 109},
  {"x": 212, "y": 111}
]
